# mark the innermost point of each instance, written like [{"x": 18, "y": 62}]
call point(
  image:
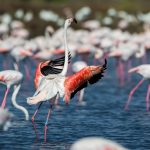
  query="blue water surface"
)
[{"x": 102, "y": 116}]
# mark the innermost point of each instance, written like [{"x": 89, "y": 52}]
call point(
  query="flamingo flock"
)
[{"x": 62, "y": 59}]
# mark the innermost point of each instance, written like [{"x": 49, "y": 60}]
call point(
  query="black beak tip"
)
[{"x": 74, "y": 19}]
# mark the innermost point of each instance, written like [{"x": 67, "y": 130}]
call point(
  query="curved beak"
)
[{"x": 132, "y": 70}]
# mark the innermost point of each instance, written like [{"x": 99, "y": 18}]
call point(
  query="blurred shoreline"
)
[
  {"x": 102, "y": 5},
  {"x": 99, "y": 9}
]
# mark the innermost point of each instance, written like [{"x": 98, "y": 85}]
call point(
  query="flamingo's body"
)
[
  {"x": 143, "y": 70},
  {"x": 10, "y": 78},
  {"x": 64, "y": 86}
]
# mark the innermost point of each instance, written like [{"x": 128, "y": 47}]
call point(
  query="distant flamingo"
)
[
  {"x": 123, "y": 55},
  {"x": 143, "y": 70},
  {"x": 20, "y": 54},
  {"x": 12, "y": 78}
]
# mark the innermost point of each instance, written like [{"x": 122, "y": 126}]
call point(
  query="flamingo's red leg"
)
[
  {"x": 34, "y": 126},
  {"x": 56, "y": 102},
  {"x": 46, "y": 123},
  {"x": 147, "y": 98},
  {"x": 5, "y": 97},
  {"x": 122, "y": 74},
  {"x": 132, "y": 92},
  {"x": 120, "y": 71},
  {"x": 129, "y": 65},
  {"x": 27, "y": 70}
]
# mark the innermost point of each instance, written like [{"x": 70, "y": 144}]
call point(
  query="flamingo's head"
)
[
  {"x": 69, "y": 21},
  {"x": 50, "y": 30}
]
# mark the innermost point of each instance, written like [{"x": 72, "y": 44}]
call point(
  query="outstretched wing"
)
[
  {"x": 54, "y": 66},
  {"x": 98, "y": 76},
  {"x": 92, "y": 80}
]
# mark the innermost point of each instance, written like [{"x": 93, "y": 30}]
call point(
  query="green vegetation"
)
[{"x": 129, "y": 5}]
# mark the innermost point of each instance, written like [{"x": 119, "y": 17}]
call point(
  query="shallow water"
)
[{"x": 102, "y": 116}]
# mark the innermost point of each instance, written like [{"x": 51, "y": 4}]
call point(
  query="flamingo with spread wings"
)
[
  {"x": 54, "y": 85},
  {"x": 43, "y": 69},
  {"x": 52, "y": 67}
]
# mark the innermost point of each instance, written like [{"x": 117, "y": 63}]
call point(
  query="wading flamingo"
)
[
  {"x": 52, "y": 67},
  {"x": 12, "y": 78},
  {"x": 43, "y": 69},
  {"x": 65, "y": 86},
  {"x": 143, "y": 70}
]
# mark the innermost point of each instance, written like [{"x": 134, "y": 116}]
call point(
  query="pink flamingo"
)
[
  {"x": 12, "y": 78},
  {"x": 62, "y": 86},
  {"x": 143, "y": 70},
  {"x": 20, "y": 54},
  {"x": 51, "y": 67}
]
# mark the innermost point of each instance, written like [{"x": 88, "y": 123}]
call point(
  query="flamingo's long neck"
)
[
  {"x": 64, "y": 71},
  {"x": 16, "y": 90}
]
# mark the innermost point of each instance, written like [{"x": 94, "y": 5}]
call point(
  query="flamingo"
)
[
  {"x": 20, "y": 54},
  {"x": 62, "y": 86},
  {"x": 10, "y": 78},
  {"x": 143, "y": 70},
  {"x": 51, "y": 67},
  {"x": 123, "y": 54},
  {"x": 65, "y": 87}
]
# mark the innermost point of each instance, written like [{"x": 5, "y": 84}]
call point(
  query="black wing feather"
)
[
  {"x": 84, "y": 85},
  {"x": 51, "y": 67},
  {"x": 98, "y": 76},
  {"x": 92, "y": 80}
]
